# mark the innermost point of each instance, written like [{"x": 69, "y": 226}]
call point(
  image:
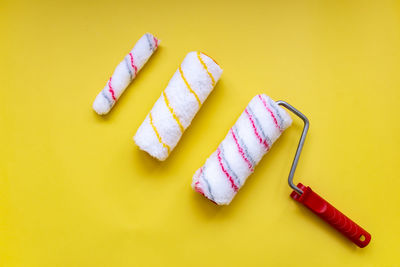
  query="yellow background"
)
[{"x": 76, "y": 191}]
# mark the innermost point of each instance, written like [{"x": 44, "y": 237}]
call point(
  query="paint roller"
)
[{"x": 252, "y": 136}]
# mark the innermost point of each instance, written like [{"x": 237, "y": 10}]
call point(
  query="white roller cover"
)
[
  {"x": 178, "y": 104},
  {"x": 252, "y": 136},
  {"x": 125, "y": 72}
]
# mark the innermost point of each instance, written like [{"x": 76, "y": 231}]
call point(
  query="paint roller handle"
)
[{"x": 331, "y": 215}]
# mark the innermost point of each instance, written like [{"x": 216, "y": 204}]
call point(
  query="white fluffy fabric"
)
[
  {"x": 253, "y": 134},
  {"x": 178, "y": 104},
  {"x": 125, "y": 72}
]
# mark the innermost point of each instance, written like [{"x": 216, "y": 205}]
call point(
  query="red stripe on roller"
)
[
  {"x": 132, "y": 64},
  {"x": 111, "y": 90},
  {"x": 198, "y": 189},
  {"x": 241, "y": 151},
  {"x": 235, "y": 188},
  {"x": 270, "y": 112},
  {"x": 196, "y": 184},
  {"x": 155, "y": 41},
  {"x": 264, "y": 142}
]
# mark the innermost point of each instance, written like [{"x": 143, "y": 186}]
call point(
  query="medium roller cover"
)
[
  {"x": 252, "y": 136},
  {"x": 124, "y": 73},
  {"x": 178, "y": 104}
]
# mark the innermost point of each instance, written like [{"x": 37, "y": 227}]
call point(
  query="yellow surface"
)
[{"x": 76, "y": 191}]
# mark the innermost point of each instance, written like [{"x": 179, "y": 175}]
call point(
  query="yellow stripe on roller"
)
[
  {"x": 158, "y": 135},
  {"x": 205, "y": 67},
  {"x": 188, "y": 86},
  {"x": 172, "y": 112}
]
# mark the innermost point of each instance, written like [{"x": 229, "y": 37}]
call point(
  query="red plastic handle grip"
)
[{"x": 331, "y": 215}]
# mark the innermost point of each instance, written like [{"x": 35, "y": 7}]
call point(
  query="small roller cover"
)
[{"x": 124, "y": 73}]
